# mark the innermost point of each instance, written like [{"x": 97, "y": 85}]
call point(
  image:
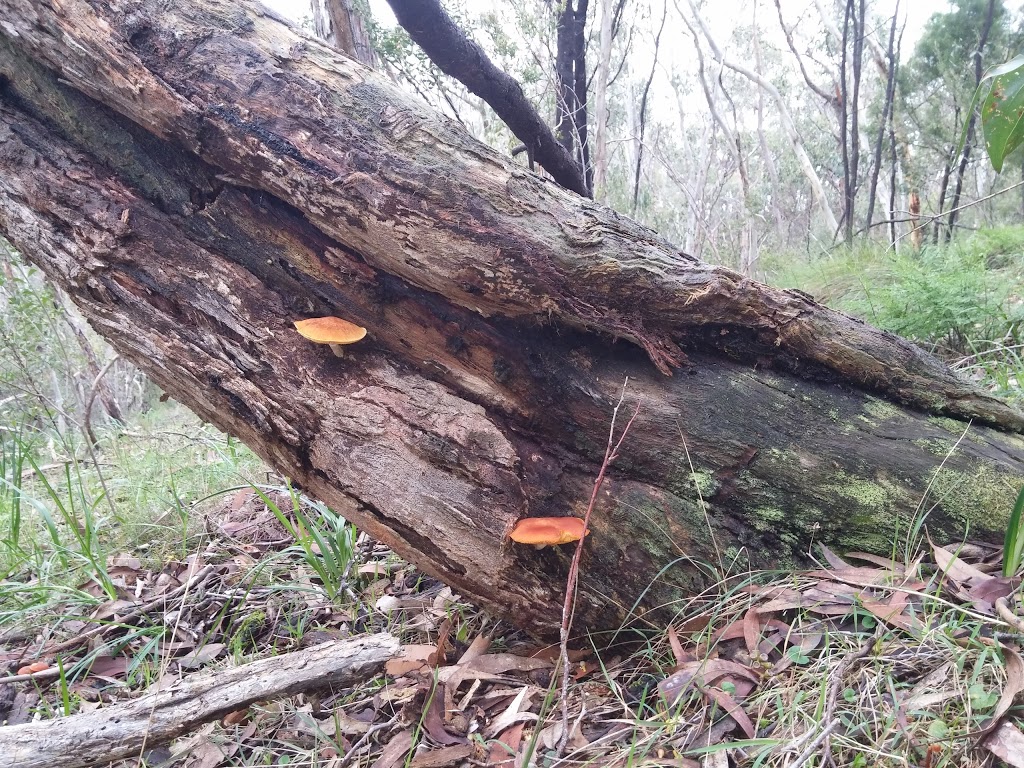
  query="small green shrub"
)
[{"x": 945, "y": 297}]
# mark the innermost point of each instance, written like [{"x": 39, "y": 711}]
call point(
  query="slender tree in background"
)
[
  {"x": 642, "y": 111},
  {"x": 793, "y": 135},
  {"x": 571, "y": 81},
  {"x": 450, "y": 49},
  {"x": 891, "y": 64},
  {"x": 604, "y": 63},
  {"x": 977, "y": 56},
  {"x": 851, "y": 58},
  {"x": 933, "y": 95}
]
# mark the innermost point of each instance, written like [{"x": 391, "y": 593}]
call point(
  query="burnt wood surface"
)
[{"x": 197, "y": 175}]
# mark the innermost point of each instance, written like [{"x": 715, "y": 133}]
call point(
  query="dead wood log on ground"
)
[
  {"x": 124, "y": 730},
  {"x": 197, "y": 175}
]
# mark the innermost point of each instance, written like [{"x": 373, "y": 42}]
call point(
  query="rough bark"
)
[
  {"x": 125, "y": 730},
  {"x": 198, "y": 175}
]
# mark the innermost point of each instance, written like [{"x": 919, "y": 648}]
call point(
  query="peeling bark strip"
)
[
  {"x": 197, "y": 176},
  {"x": 124, "y": 730}
]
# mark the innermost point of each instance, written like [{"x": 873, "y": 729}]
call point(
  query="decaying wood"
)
[
  {"x": 197, "y": 175},
  {"x": 124, "y": 730}
]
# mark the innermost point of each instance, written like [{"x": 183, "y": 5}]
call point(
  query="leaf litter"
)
[{"x": 860, "y": 661}]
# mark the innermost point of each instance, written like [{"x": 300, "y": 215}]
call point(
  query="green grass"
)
[{"x": 950, "y": 298}]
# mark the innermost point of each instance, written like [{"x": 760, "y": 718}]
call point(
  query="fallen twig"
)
[
  {"x": 610, "y": 454},
  {"x": 120, "y": 731}
]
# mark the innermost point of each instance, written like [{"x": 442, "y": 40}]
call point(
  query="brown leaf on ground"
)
[
  {"x": 514, "y": 713},
  {"x": 438, "y": 758},
  {"x": 1007, "y": 743},
  {"x": 201, "y": 656},
  {"x": 433, "y": 719},
  {"x": 954, "y": 568},
  {"x": 702, "y": 674},
  {"x": 413, "y": 657},
  {"x": 680, "y": 655},
  {"x": 505, "y": 747},
  {"x": 396, "y": 750},
  {"x": 730, "y": 705}
]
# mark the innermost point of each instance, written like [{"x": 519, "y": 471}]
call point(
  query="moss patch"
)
[{"x": 963, "y": 495}]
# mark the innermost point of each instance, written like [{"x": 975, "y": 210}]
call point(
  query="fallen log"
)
[
  {"x": 197, "y": 175},
  {"x": 124, "y": 730}
]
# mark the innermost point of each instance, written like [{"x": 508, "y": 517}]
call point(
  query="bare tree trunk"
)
[
  {"x": 972, "y": 118},
  {"x": 571, "y": 83},
  {"x": 947, "y": 171},
  {"x": 884, "y": 122},
  {"x": 340, "y": 23},
  {"x": 817, "y": 189},
  {"x": 604, "y": 62},
  {"x": 198, "y": 176},
  {"x": 849, "y": 122},
  {"x": 642, "y": 127}
]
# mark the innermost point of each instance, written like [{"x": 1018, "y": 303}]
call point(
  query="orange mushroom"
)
[
  {"x": 332, "y": 331},
  {"x": 548, "y": 531}
]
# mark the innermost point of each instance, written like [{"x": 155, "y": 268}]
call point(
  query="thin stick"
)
[{"x": 611, "y": 452}]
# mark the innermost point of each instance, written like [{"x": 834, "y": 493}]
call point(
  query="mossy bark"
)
[{"x": 197, "y": 175}]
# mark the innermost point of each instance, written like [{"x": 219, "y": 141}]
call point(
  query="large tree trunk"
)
[{"x": 197, "y": 175}]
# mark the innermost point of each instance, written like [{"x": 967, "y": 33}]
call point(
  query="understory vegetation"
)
[{"x": 113, "y": 498}]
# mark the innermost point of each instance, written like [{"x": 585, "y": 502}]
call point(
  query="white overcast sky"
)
[{"x": 718, "y": 14}]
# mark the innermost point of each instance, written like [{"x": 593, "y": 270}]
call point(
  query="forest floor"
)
[
  {"x": 863, "y": 661},
  {"x": 165, "y": 549}
]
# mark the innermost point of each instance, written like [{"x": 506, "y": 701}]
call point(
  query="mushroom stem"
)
[{"x": 338, "y": 350}]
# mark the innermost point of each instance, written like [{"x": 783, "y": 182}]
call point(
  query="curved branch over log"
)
[
  {"x": 197, "y": 176},
  {"x": 450, "y": 49}
]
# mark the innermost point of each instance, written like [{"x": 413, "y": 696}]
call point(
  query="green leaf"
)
[
  {"x": 1013, "y": 543},
  {"x": 1002, "y": 112}
]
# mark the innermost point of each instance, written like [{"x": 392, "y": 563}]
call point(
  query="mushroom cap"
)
[
  {"x": 330, "y": 330},
  {"x": 545, "y": 531}
]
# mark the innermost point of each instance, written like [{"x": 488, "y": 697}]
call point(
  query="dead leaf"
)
[
  {"x": 500, "y": 663},
  {"x": 730, "y": 705},
  {"x": 412, "y": 657},
  {"x": 124, "y": 560},
  {"x": 677, "y": 647},
  {"x": 513, "y": 713},
  {"x": 438, "y": 758},
  {"x": 115, "y": 667},
  {"x": 201, "y": 656},
  {"x": 237, "y": 717},
  {"x": 833, "y": 559},
  {"x": 504, "y": 748},
  {"x": 955, "y": 568},
  {"x": 702, "y": 674},
  {"x": 433, "y": 719},
  {"x": 395, "y": 751},
  {"x": 1007, "y": 743}
]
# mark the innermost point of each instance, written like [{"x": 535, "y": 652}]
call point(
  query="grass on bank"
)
[{"x": 825, "y": 669}]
